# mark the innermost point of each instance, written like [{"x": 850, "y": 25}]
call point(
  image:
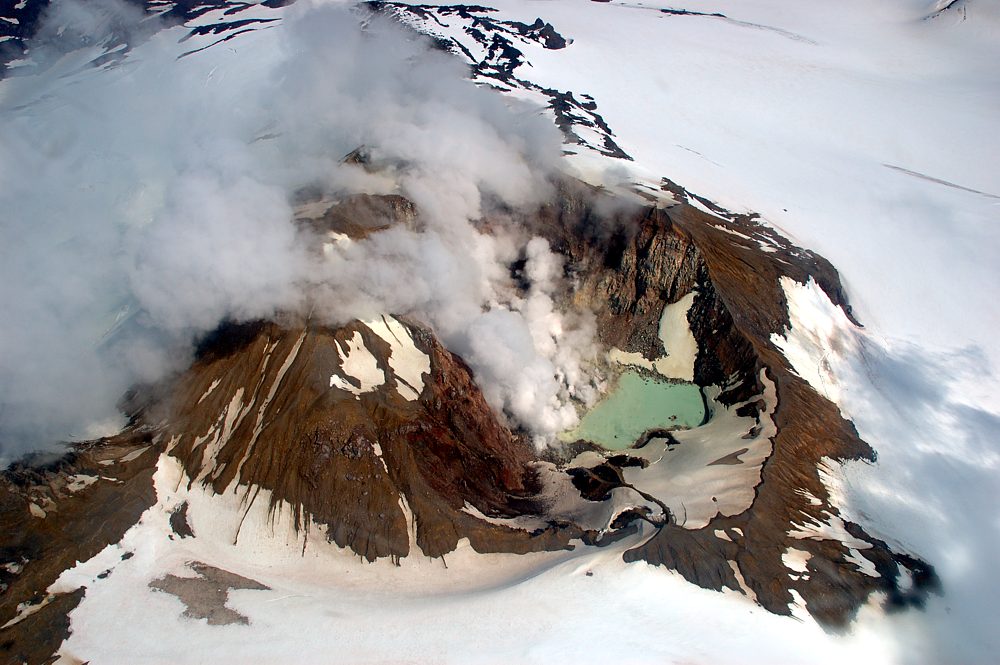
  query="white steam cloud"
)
[{"x": 143, "y": 203}]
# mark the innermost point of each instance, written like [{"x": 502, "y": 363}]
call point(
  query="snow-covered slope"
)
[
  {"x": 868, "y": 133},
  {"x": 318, "y": 605}
]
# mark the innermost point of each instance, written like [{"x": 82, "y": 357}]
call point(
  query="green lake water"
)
[{"x": 638, "y": 404}]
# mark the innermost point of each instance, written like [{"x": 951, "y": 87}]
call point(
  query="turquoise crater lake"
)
[{"x": 638, "y": 404}]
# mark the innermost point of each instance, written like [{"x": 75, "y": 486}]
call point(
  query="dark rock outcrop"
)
[
  {"x": 52, "y": 516},
  {"x": 493, "y": 49}
]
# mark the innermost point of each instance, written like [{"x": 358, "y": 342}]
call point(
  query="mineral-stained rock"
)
[{"x": 276, "y": 421}]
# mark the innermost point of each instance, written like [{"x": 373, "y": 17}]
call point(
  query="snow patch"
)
[
  {"x": 809, "y": 496},
  {"x": 812, "y": 342},
  {"x": 26, "y": 609},
  {"x": 408, "y": 363},
  {"x": 80, "y": 482},
  {"x": 738, "y": 574},
  {"x": 678, "y": 341},
  {"x": 524, "y": 522},
  {"x": 813, "y": 528},
  {"x": 210, "y": 390},
  {"x": 381, "y": 458},
  {"x": 864, "y": 564},
  {"x": 220, "y": 432},
  {"x": 713, "y": 469},
  {"x": 357, "y": 362},
  {"x": 797, "y": 561}
]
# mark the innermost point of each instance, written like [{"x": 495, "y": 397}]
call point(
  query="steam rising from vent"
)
[{"x": 144, "y": 202}]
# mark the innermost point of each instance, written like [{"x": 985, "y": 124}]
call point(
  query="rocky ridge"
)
[{"x": 734, "y": 265}]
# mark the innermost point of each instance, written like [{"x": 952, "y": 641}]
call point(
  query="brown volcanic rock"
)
[
  {"x": 627, "y": 262},
  {"x": 49, "y": 520},
  {"x": 323, "y": 464},
  {"x": 356, "y": 216},
  {"x": 350, "y": 462}
]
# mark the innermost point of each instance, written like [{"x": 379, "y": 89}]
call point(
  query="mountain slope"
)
[
  {"x": 326, "y": 473},
  {"x": 375, "y": 439}
]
